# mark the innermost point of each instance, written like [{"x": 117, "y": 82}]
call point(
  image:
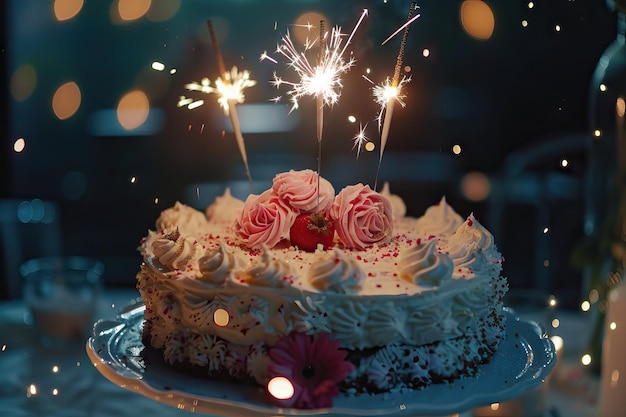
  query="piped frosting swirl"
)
[
  {"x": 175, "y": 251},
  {"x": 217, "y": 264},
  {"x": 423, "y": 265},
  {"x": 336, "y": 273}
]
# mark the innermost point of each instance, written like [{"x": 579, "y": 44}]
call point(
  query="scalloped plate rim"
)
[{"x": 112, "y": 368}]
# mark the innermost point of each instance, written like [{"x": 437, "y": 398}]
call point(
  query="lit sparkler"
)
[
  {"x": 322, "y": 80},
  {"x": 229, "y": 86},
  {"x": 390, "y": 92}
]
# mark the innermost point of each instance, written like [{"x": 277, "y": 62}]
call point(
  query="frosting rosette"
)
[
  {"x": 473, "y": 250},
  {"x": 424, "y": 265},
  {"x": 264, "y": 219},
  {"x": 224, "y": 209},
  {"x": 362, "y": 217},
  {"x": 265, "y": 271},
  {"x": 185, "y": 218},
  {"x": 175, "y": 251},
  {"x": 398, "y": 208},
  {"x": 439, "y": 219},
  {"x": 216, "y": 264},
  {"x": 298, "y": 189},
  {"x": 336, "y": 273}
]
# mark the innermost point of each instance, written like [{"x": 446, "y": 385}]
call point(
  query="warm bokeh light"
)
[
  {"x": 597, "y": 133},
  {"x": 352, "y": 119},
  {"x": 67, "y": 9},
  {"x": 426, "y": 52},
  {"x": 133, "y": 110},
  {"x": 370, "y": 146},
  {"x": 280, "y": 387},
  {"x": 585, "y": 305},
  {"x": 586, "y": 359},
  {"x": 19, "y": 145},
  {"x": 558, "y": 342},
  {"x": 66, "y": 100},
  {"x": 162, "y": 10},
  {"x": 23, "y": 82},
  {"x": 307, "y": 26},
  {"x": 477, "y": 19},
  {"x": 456, "y": 149},
  {"x": 133, "y": 9},
  {"x": 524, "y": 23},
  {"x": 475, "y": 186},
  {"x": 158, "y": 66},
  {"x": 602, "y": 87},
  {"x": 221, "y": 317}
]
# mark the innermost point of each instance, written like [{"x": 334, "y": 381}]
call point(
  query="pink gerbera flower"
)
[{"x": 313, "y": 364}]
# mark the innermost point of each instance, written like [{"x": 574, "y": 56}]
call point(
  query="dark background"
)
[{"x": 504, "y": 100}]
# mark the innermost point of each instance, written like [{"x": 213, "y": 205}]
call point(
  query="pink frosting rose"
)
[
  {"x": 265, "y": 218},
  {"x": 362, "y": 216},
  {"x": 299, "y": 190}
]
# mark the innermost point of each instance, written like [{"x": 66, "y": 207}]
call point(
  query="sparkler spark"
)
[
  {"x": 230, "y": 89},
  {"x": 360, "y": 139},
  {"x": 319, "y": 80}
]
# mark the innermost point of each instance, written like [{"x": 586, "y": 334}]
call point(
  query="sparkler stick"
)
[
  {"x": 395, "y": 83},
  {"x": 322, "y": 80},
  {"x": 320, "y": 111},
  {"x": 229, "y": 104}
]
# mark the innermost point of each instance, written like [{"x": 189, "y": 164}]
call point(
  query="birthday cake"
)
[{"x": 329, "y": 294}]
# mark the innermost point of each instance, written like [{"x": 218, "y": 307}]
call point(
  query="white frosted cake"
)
[{"x": 375, "y": 302}]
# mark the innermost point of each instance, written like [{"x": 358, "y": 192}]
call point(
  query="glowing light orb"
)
[
  {"x": 586, "y": 359},
  {"x": 133, "y": 110},
  {"x": 23, "y": 82},
  {"x": 477, "y": 19},
  {"x": 19, "y": 145},
  {"x": 475, "y": 186},
  {"x": 67, "y": 9},
  {"x": 66, "y": 100},
  {"x": 221, "y": 317},
  {"x": 280, "y": 388}
]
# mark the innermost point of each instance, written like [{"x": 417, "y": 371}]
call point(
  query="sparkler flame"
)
[
  {"x": 322, "y": 79},
  {"x": 230, "y": 89}
]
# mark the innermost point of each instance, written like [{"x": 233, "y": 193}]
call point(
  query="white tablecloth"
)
[{"x": 50, "y": 382}]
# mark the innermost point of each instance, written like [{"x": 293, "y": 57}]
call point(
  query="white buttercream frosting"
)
[
  {"x": 473, "y": 250},
  {"x": 185, "y": 218},
  {"x": 411, "y": 298},
  {"x": 424, "y": 265},
  {"x": 335, "y": 272},
  {"x": 176, "y": 251},
  {"x": 217, "y": 264},
  {"x": 439, "y": 219},
  {"x": 224, "y": 209}
]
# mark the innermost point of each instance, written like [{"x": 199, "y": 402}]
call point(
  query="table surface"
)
[{"x": 37, "y": 381}]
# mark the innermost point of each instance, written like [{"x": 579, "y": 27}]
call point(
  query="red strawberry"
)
[{"x": 309, "y": 229}]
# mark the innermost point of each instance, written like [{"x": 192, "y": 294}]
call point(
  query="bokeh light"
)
[
  {"x": 280, "y": 387},
  {"x": 66, "y": 100},
  {"x": 306, "y": 26},
  {"x": 19, "y": 145},
  {"x": 23, "y": 82},
  {"x": 129, "y": 10},
  {"x": 67, "y": 9},
  {"x": 162, "y": 10},
  {"x": 475, "y": 186},
  {"x": 477, "y": 19},
  {"x": 133, "y": 110},
  {"x": 221, "y": 317}
]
